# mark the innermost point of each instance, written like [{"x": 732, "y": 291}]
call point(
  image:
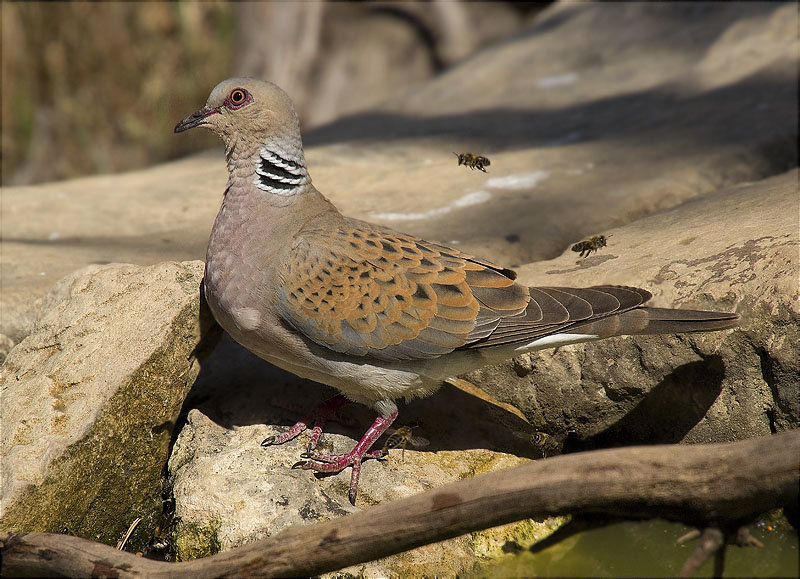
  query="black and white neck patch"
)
[{"x": 279, "y": 175}]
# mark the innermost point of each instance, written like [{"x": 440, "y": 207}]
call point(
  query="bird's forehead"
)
[
  {"x": 261, "y": 90},
  {"x": 223, "y": 89}
]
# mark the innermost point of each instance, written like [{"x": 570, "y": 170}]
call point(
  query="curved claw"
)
[
  {"x": 284, "y": 436},
  {"x": 269, "y": 441},
  {"x": 303, "y": 464}
]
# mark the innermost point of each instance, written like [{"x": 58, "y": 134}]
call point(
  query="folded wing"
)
[{"x": 365, "y": 291}]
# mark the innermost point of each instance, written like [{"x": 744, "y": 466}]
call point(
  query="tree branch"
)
[{"x": 714, "y": 485}]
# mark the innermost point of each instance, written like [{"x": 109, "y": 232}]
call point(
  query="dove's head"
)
[{"x": 245, "y": 111}]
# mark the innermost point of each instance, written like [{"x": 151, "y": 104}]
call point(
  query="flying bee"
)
[
  {"x": 540, "y": 440},
  {"x": 473, "y": 161},
  {"x": 401, "y": 437},
  {"x": 587, "y": 246}
]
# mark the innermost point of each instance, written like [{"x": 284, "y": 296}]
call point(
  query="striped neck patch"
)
[{"x": 279, "y": 175}]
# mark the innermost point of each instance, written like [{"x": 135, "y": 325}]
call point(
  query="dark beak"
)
[{"x": 195, "y": 120}]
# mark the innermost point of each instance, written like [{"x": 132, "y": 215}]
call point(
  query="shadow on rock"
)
[
  {"x": 669, "y": 116},
  {"x": 668, "y": 412},
  {"x": 236, "y": 388}
]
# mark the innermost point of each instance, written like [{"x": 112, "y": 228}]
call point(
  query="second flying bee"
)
[
  {"x": 587, "y": 246},
  {"x": 473, "y": 161}
]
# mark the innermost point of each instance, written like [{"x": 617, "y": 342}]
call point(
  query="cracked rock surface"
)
[
  {"x": 91, "y": 396},
  {"x": 710, "y": 387}
]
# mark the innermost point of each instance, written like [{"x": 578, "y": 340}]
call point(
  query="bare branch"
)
[{"x": 715, "y": 485}]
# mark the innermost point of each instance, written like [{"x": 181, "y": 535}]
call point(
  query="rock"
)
[
  {"x": 90, "y": 400},
  {"x": 6, "y": 344},
  {"x": 144, "y": 217},
  {"x": 587, "y": 128},
  {"x": 229, "y": 490},
  {"x": 735, "y": 250}
]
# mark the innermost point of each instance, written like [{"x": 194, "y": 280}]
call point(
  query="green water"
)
[{"x": 648, "y": 549}]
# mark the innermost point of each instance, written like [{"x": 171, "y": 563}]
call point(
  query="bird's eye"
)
[{"x": 238, "y": 96}]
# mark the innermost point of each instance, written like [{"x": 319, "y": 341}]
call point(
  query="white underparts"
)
[
  {"x": 555, "y": 340},
  {"x": 280, "y": 175}
]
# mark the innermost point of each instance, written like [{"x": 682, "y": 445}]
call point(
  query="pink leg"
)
[
  {"x": 337, "y": 462},
  {"x": 316, "y": 417}
]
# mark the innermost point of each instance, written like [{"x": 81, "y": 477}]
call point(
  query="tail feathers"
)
[
  {"x": 556, "y": 315},
  {"x": 647, "y": 320},
  {"x": 668, "y": 321}
]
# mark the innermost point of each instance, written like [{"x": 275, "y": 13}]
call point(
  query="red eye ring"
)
[{"x": 238, "y": 98}]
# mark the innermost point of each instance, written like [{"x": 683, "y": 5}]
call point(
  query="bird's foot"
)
[
  {"x": 316, "y": 418},
  {"x": 361, "y": 451}
]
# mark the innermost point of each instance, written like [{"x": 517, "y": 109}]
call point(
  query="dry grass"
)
[{"x": 96, "y": 88}]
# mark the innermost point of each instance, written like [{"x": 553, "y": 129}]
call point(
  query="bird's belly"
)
[
  {"x": 245, "y": 319},
  {"x": 363, "y": 381}
]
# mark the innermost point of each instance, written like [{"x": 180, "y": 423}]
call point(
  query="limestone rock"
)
[
  {"x": 230, "y": 491},
  {"x": 146, "y": 217},
  {"x": 6, "y": 344},
  {"x": 91, "y": 396},
  {"x": 735, "y": 250}
]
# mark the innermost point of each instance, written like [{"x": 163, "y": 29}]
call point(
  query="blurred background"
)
[{"x": 94, "y": 88}]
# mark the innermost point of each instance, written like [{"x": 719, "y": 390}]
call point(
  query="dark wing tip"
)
[{"x": 509, "y": 273}]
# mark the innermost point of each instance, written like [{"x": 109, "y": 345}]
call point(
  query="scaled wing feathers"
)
[{"x": 365, "y": 291}]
